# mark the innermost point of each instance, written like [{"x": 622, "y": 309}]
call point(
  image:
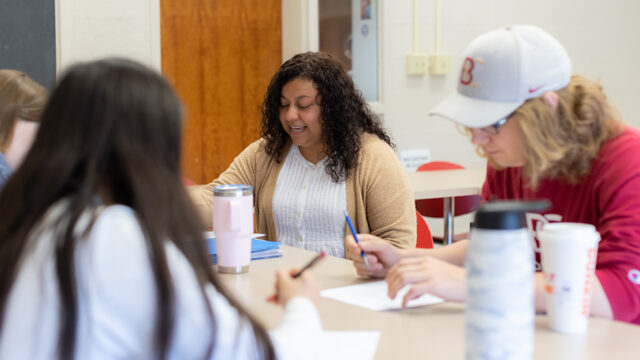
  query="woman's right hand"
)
[
  {"x": 287, "y": 287},
  {"x": 381, "y": 255}
]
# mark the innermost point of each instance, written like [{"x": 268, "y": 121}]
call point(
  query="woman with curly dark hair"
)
[{"x": 322, "y": 153}]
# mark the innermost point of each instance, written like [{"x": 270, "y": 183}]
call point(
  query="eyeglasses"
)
[{"x": 494, "y": 129}]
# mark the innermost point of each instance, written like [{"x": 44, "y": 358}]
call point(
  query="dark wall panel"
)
[{"x": 27, "y": 38}]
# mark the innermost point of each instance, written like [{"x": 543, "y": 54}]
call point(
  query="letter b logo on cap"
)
[{"x": 466, "y": 77}]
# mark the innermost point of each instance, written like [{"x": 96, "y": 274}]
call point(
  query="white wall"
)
[
  {"x": 90, "y": 29},
  {"x": 601, "y": 38}
]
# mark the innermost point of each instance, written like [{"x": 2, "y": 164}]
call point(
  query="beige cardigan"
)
[{"x": 379, "y": 198}]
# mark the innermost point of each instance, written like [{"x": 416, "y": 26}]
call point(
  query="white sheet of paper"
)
[
  {"x": 373, "y": 295},
  {"x": 349, "y": 345}
]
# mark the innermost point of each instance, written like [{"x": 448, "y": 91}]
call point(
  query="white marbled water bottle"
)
[{"x": 500, "y": 283}]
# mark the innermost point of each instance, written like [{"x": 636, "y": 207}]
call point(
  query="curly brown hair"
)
[{"x": 345, "y": 113}]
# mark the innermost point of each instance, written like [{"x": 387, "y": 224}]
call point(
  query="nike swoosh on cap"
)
[{"x": 532, "y": 90}]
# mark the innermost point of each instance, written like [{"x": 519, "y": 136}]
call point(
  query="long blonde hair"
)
[
  {"x": 20, "y": 97},
  {"x": 562, "y": 144}
]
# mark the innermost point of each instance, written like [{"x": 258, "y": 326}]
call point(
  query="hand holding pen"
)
[
  {"x": 355, "y": 237},
  {"x": 293, "y": 282},
  {"x": 313, "y": 261},
  {"x": 381, "y": 255}
]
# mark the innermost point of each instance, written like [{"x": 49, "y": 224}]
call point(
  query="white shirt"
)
[
  {"x": 309, "y": 207},
  {"x": 117, "y": 303}
]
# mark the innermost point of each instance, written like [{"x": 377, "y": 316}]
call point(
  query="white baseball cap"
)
[{"x": 502, "y": 69}]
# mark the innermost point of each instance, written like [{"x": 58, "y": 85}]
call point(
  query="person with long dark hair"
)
[
  {"x": 102, "y": 254},
  {"x": 322, "y": 152}
]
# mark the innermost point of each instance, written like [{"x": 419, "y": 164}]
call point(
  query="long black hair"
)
[
  {"x": 345, "y": 113},
  {"x": 111, "y": 126}
]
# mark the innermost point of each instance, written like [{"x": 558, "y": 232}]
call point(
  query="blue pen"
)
[{"x": 355, "y": 237}]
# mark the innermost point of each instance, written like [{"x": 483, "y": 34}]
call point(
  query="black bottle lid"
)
[{"x": 506, "y": 214}]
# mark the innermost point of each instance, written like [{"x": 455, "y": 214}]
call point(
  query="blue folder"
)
[{"x": 260, "y": 249}]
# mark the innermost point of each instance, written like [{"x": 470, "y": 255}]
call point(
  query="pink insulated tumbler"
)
[{"x": 233, "y": 227}]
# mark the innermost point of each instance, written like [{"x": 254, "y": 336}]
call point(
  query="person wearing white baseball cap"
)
[
  {"x": 501, "y": 70},
  {"x": 546, "y": 134}
]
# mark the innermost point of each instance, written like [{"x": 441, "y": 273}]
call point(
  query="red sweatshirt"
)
[{"x": 609, "y": 198}]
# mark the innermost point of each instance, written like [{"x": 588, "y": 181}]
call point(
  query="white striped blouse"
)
[{"x": 309, "y": 207}]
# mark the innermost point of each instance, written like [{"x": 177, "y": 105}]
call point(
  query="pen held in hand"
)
[
  {"x": 274, "y": 298},
  {"x": 310, "y": 264},
  {"x": 355, "y": 237}
]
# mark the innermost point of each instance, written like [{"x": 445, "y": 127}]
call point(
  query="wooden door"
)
[{"x": 220, "y": 56}]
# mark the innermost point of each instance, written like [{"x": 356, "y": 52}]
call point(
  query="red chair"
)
[
  {"x": 435, "y": 207},
  {"x": 425, "y": 240}
]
